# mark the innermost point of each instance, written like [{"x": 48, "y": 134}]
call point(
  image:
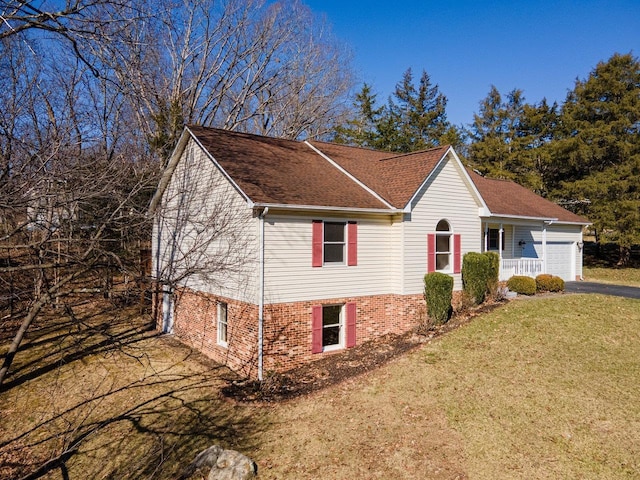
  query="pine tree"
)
[
  {"x": 596, "y": 155},
  {"x": 362, "y": 129}
]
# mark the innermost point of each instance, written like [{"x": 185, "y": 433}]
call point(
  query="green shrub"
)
[
  {"x": 476, "y": 270},
  {"x": 522, "y": 285},
  {"x": 494, "y": 273},
  {"x": 438, "y": 291},
  {"x": 556, "y": 285},
  {"x": 543, "y": 282},
  {"x": 546, "y": 282}
]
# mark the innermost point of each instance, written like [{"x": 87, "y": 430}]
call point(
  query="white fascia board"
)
[
  {"x": 520, "y": 217},
  {"x": 354, "y": 179},
  {"x": 222, "y": 170},
  {"x": 174, "y": 159},
  {"x": 323, "y": 208}
]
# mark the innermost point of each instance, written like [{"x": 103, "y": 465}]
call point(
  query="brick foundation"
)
[{"x": 287, "y": 327}]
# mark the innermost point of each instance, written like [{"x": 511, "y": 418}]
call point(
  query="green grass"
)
[
  {"x": 621, "y": 276},
  {"x": 547, "y": 388}
]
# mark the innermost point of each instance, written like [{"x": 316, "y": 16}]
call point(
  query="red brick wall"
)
[{"x": 287, "y": 327}]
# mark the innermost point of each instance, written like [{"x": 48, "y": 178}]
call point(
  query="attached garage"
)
[{"x": 561, "y": 259}]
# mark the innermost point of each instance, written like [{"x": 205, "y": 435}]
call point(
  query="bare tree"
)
[
  {"x": 204, "y": 234},
  {"x": 247, "y": 65}
]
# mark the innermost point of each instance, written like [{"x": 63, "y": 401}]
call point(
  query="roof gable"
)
[{"x": 283, "y": 172}]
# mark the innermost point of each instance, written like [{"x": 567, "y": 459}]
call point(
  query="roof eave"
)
[
  {"x": 327, "y": 208},
  {"x": 527, "y": 217}
]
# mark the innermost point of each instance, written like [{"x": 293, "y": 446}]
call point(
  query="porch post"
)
[
  {"x": 544, "y": 248},
  {"x": 486, "y": 236},
  {"x": 500, "y": 233}
]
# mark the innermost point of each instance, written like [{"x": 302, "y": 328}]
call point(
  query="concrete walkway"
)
[{"x": 604, "y": 288}]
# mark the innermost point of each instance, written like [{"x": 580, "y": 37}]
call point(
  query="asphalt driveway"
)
[{"x": 604, "y": 288}]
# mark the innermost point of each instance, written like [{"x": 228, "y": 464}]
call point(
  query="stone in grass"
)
[{"x": 215, "y": 463}]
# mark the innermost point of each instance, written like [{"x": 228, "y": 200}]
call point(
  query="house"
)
[{"x": 271, "y": 253}]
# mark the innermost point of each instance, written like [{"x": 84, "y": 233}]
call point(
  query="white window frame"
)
[
  {"x": 343, "y": 243},
  {"x": 341, "y": 325},
  {"x": 448, "y": 234},
  {"x": 222, "y": 324}
]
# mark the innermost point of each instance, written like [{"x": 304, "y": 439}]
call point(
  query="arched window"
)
[
  {"x": 444, "y": 249},
  {"x": 444, "y": 246}
]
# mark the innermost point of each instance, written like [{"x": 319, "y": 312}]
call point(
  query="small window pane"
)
[
  {"x": 442, "y": 243},
  {"x": 443, "y": 226},
  {"x": 331, "y": 325},
  {"x": 333, "y": 253},
  {"x": 442, "y": 261},
  {"x": 222, "y": 323},
  {"x": 333, "y": 232},
  {"x": 331, "y": 315}
]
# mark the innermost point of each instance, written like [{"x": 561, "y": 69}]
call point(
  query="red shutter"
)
[
  {"x": 431, "y": 252},
  {"x": 352, "y": 232},
  {"x": 316, "y": 250},
  {"x": 351, "y": 324},
  {"x": 316, "y": 329},
  {"x": 456, "y": 253}
]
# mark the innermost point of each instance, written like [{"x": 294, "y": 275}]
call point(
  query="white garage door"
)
[{"x": 561, "y": 260}]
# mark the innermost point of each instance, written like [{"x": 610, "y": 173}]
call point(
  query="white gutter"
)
[
  {"x": 284, "y": 206},
  {"x": 261, "y": 295}
]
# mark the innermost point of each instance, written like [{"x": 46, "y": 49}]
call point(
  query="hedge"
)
[
  {"x": 549, "y": 283},
  {"x": 438, "y": 292},
  {"x": 476, "y": 270},
  {"x": 522, "y": 285}
]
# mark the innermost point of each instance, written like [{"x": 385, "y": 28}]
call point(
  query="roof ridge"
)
[
  {"x": 417, "y": 152},
  {"x": 255, "y": 136}
]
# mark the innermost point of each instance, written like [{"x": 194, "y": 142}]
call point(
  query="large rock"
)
[{"x": 215, "y": 463}]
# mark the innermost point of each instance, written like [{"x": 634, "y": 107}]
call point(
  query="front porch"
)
[
  {"x": 528, "y": 267},
  {"x": 531, "y": 246}
]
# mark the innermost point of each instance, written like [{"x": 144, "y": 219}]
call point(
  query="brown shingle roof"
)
[
  {"x": 396, "y": 178},
  {"x": 286, "y": 172},
  {"x": 504, "y": 197},
  {"x": 277, "y": 171}
]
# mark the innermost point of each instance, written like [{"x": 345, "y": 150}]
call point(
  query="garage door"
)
[{"x": 561, "y": 260}]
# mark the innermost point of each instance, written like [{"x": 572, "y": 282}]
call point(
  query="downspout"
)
[{"x": 261, "y": 295}]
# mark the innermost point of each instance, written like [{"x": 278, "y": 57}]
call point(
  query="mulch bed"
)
[{"x": 344, "y": 365}]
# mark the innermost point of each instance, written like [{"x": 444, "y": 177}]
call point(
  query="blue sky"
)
[{"x": 540, "y": 47}]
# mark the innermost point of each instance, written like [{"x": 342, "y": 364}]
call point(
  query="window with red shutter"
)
[
  {"x": 457, "y": 260},
  {"x": 316, "y": 249}
]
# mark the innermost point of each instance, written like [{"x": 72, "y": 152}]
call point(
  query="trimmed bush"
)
[
  {"x": 438, "y": 291},
  {"x": 494, "y": 273},
  {"x": 546, "y": 282},
  {"x": 557, "y": 284},
  {"x": 522, "y": 285},
  {"x": 476, "y": 270}
]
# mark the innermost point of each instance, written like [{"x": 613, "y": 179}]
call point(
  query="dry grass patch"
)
[
  {"x": 620, "y": 276},
  {"x": 544, "y": 389},
  {"x": 102, "y": 396}
]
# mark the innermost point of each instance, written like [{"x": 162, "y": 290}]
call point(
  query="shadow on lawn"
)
[{"x": 148, "y": 420}]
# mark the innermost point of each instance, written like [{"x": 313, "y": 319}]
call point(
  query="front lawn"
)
[
  {"x": 545, "y": 388},
  {"x": 620, "y": 276}
]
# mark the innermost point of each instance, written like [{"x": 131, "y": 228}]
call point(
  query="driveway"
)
[{"x": 604, "y": 288}]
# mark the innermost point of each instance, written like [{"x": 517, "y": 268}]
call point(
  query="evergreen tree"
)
[
  {"x": 418, "y": 114},
  {"x": 413, "y": 119},
  {"x": 510, "y": 138},
  {"x": 362, "y": 129},
  {"x": 597, "y": 151}
]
